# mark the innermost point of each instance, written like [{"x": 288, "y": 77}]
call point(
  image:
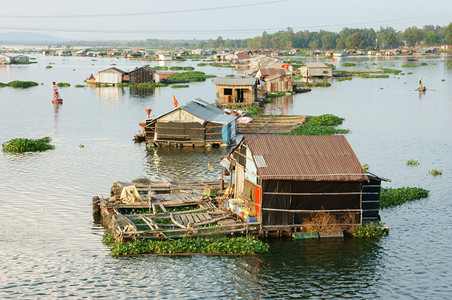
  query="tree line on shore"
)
[{"x": 347, "y": 38}]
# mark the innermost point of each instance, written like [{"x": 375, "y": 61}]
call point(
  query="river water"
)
[{"x": 51, "y": 247}]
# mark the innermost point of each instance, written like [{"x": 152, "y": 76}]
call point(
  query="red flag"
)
[{"x": 176, "y": 104}]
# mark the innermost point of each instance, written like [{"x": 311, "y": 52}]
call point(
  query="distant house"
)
[
  {"x": 241, "y": 58},
  {"x": 196, "y": 123},
  {"x": 316, "y": 69},
  {"x": 278, "y": 84},
  {"x": 446, "y": 47},
  {"x": 162, "y": 76},
  {"x": 282, "y": 179},
  {"x": 109, "y": 76},
  {"x": 6, "y": 59},
  {"x": 63, "y": 53},
  {"x": 142, "y": 75},
  {"x": 165, "y": 56},
  {"x": 198, "y": 52},
  {"x": 262, "y": 73},
  {"x": 81, "y": 53},
  {"x": 236, "y": 90}
]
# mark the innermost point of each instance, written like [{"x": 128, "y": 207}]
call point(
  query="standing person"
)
[{"x": 420, "y": 82}]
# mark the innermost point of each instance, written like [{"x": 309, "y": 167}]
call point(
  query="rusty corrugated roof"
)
[
  {"x": 305, "y": 158},
  {"x": 272, "y": 71}
]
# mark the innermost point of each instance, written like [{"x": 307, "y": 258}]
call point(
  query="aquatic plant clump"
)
[
  {"x": 435, "y": 172},
  {"x": 412, "y": 162},
  {"x": 232, "y": 245},
  {"x": 189, "y": 76},
  {"x": 317, "y": 84},
  {"x": 179, "y": 86},
  {"x": 371, "y": 230},
  {"x": 22, "y": 84},
  {"x": 320, "y": 125},
  {"x": 390, "y": 197},
  {"x": 348, "y": 64},
  {"x": 21, "y": 145},
  {"x": 63, "y": 84}
]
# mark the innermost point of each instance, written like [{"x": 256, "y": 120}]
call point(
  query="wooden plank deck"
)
[{"x": 271, "y": 124}]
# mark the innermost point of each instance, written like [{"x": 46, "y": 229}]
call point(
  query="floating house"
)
[
  {"x": 63, "y": 53},
  {"x": 280, "y": 180},
  {"x": 278, "y": 84},
  {"x": 242, "y": 91},
  {"x": 165, "y": 56},
  {"x": 241, "y": 58},
  {"x": 316, "y": 69},
  {"x": 6, "y": 59},
  {"x": 262, "y": 73},
  {"x": 196, "y": 123},
  {"x": 142, "y": 75},
  {"x": 109, "y": 76}
]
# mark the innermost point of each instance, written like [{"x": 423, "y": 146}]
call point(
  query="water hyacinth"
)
[
  {"x": 396, "y": 196},
  {"x": 21, "y": 145},
  {"x": 230, "y": 245}
]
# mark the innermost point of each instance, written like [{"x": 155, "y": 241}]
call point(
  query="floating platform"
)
[
  {"x": 164, "y": 210},
  {"x": 271, "y": 125}
]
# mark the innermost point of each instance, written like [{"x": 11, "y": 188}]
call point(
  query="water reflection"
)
[
  {"x": 109, "y": 93},
  {"x": 280, "y": 105},
  {"x": 315, "y": 268},
  {"x": 188, "y": 164},
  {"x": 141, "y": 93},
  {"x": 56, "y": 108}
]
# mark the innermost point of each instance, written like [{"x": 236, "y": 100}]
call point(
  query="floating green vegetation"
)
[
  {"x": 49, "y": 67},
  {"x": 409, "y": 73},
  {"x": 402, "y": 73},
  {"x": 21, "y": 145},
  {"x": 374, "y": 76},
  {"x": 180, "y": 86},
  {"x": 409, "y": 66},
  {"x": 221, "y": 65},
  {"x": 343, "y": 79},
  {"x": 412, "y": 162},
  {"x": 316, "y": 84},
  {"x": 25, "y": 62},
  {"x": 160, "y": 68},
  {"x": 396, "y": 196},
  {"x": 81, "y": 146},
  {"x": 63, "y": 84},
  {"x": 190, "y": 76},
  {"x": 142, "y": 85},
  {"x": 320, "y": 125},
  {"x": 370, "y": 231},
  {"x": 435, "y": 172},
  {"x": 424, "y": 64},
  {"x": 443, "y": 80},
  {"x": 276, "y": 95},
  {"x": 348, "y": 64},
  {"x": 230, "y": 75},
  {"x": 392, "y": 71},
  {"x": 80, "y": 85},
  {"x": 366, "y": 167},
  {"x": 182, "y": 68},
  {"x": 450, "y": 64},
  {"x": 254, "y": 110},
  {"x": 201, "y": 64},
  {"x": 20, "y": 84},
  {"x": 232, "y": 245}
]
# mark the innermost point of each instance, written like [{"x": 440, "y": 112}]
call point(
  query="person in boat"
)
[{"x": 420, "y": 83}]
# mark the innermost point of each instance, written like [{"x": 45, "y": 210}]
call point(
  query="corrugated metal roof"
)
[
  {"x": 305, "y": 158},
  {"x": 316, "y": 65},
  {"x": 206, "y": 111},
  {"x": 234, "y": 81},
  {"x": 272, "y": 71},
  {"x": 113, "y": 69}
]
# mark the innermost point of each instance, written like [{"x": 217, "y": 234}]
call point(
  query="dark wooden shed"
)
[
  {"x": 142, "y": 75},
  {"x": 283, "y": 179}
]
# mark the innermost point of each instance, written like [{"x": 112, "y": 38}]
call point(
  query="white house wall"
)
[
  {"x": 250, "y": 167},
  {"x": 182, "y": 116}
]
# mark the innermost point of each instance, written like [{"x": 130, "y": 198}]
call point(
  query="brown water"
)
[{"x": 50, "y": 246}]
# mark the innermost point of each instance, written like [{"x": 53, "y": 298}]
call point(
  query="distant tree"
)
[
  {"x": 326, "y": 42},
  {"x": 449, "y": 34},
  {"x": 356, "y": 40},
  {"x": 392, "y": 40},
  {"x": 413, "y": 35},
  {"x": 431, "y": 38}
]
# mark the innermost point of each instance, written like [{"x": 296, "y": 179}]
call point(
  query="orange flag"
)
[{"x": 176, "y": 104}]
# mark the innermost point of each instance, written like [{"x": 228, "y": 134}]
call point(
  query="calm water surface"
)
[{"x": 50, "y": 246}]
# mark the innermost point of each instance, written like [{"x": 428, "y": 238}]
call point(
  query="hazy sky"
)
[{"x": 204, "y": 19}]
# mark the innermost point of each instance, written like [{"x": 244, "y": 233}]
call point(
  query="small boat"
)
[
  {"x": 56, "y": 95},
  {"x": 422, "y": 88},
  {"x": 299, "y": 90}
]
